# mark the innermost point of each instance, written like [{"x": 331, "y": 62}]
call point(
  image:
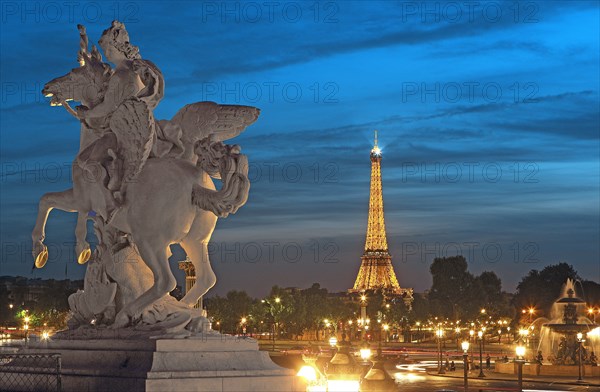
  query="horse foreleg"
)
[
  {"x": 195, "y": 245},
  {"x": 61, "y": 200}
]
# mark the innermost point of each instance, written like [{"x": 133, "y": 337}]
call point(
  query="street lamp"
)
[
  {"x": 26, "y": 328},
  {"x": 580, "y": 340},
  {"x": 519, "y": 360},
  {"x": 471, "y": 338},
  {"x": 327, "y": 325},
  {"x": 333, "y": 341},
  {"x": 457, "y": 332},
  {"x": 350, "y": 327},
  {"x": 365, "y": 353},
  {"x": 531, "y": 312},
  {"x": 524, "y": 332},
  {"x": 465, "y": 346},
  {"x": 440, "y": 332},
  {"x": 592, "y": 312},
  {"x": 363, "y": 316},
  {"x": 343, "y": 373},
  {"x": 243, "y": 323},
  {"x": 377, "y": 378},
  {"x": 480, "y": 336},
  {"x": 274, "y": 324}
]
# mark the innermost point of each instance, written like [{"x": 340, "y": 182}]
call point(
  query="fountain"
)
[
  {"x": 568, "y": 346},
  {"x": 559, "y": 342}
]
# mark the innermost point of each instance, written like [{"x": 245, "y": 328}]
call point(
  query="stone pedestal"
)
[{"x": 202, "y": 363}]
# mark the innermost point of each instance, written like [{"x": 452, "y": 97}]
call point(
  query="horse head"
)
[{"x": 86, "y": 84}]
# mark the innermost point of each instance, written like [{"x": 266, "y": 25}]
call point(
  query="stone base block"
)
[{"x": 201, "y": 363}]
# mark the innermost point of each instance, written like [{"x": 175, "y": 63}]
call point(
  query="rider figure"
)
[{"x": 132, "y": 78}]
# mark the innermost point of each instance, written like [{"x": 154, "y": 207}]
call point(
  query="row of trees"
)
[
  {"x": 456, "y": 294},
  {"x": 285, "y": 312},
  {"x": 45, "y": 302}
]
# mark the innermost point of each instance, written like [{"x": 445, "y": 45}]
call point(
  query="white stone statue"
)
[{"x": 146, "y": 184}]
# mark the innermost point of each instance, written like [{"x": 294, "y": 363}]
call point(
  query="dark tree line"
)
[{"x": 457, "y": 294}]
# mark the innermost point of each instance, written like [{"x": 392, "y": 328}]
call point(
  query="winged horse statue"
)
[{"x": 145, "y": 183}]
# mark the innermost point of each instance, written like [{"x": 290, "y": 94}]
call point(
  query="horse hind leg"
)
[
  {"x": 155, "y": 257},
  {"x": 195, "y": 245},
  {"x": 197, "y": 251}
]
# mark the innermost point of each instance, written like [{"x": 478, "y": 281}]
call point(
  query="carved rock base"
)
[{"x": 211, "y": 362}]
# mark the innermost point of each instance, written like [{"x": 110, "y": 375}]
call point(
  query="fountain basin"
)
[{"x": 534, "y": 369}]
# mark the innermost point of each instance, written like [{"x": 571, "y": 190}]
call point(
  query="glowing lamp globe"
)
[
  {"x": 465, "y": 346},
  {"x": 333, "y": 341},
  {"x": 365, "y": 353}
]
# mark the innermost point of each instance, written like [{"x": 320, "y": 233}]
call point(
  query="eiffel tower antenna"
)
[{"x": 375, "y": 146}]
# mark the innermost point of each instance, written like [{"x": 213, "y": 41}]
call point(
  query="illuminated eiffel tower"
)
[{"x": 376, "y": 270}]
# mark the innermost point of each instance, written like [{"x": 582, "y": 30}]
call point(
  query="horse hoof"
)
[
  {"x": 121, "y": 321},
  {"x": 40, "y": 254},
  {"x": 84, "y": 256}
]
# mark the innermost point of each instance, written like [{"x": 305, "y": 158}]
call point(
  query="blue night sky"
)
[{"x": 488, "y": 115}]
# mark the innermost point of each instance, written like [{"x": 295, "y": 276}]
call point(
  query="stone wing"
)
[
  {"x": 202, "y": 119},
  {"x": 134, "y": 126}
]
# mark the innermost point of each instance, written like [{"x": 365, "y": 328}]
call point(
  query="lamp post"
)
[
  {"x": 465, "y": 347},
  {"x": 363, "y": 316},
  {"x": 328, "y": 326},
  {"x": 519, "y": 360},
  {"x": 480, "y": 336},
  {"x": 524, "y": 332},
  {"x": 377, "y": 379},
  {"x": 440, "y": 332},
  {"x": 457, "y": 332},
  {"x": 243, "y": 325},
  {"x": 272, "y": 311},
  {"x": 471, "y": 339},
  {"x": 580, "y": 341},
  {"x": 386, "y": 328},
  {"x": 343, "y": 373}
]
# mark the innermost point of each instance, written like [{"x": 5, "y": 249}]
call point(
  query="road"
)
[
  {"x": 421, "y": 382},
  {"x": 415, "y": 378}
]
